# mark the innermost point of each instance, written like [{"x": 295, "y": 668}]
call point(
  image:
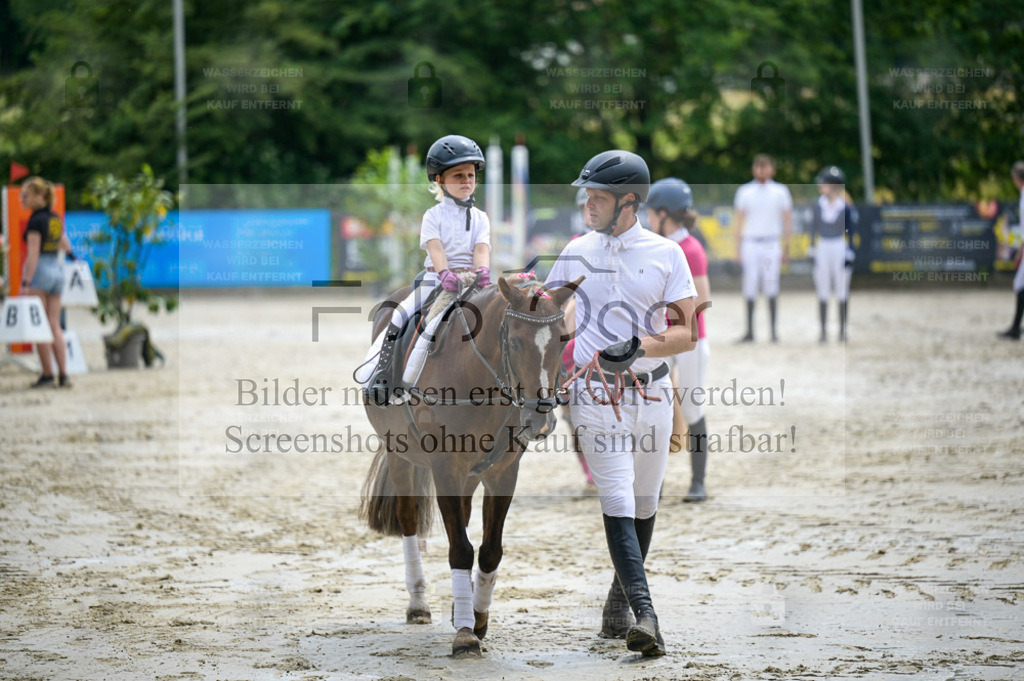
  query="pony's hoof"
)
[
  {"x": 466, "y": 644},
  {"x": 480, "y": 625},
  {"x": 417, "y": 616}
]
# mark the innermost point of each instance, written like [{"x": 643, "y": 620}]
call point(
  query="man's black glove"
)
[{"x": 619, "y": 356}]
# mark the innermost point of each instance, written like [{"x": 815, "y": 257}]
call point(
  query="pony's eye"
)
[{"x": 515, "y": 344}]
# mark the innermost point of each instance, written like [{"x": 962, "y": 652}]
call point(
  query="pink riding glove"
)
[
  {"x": 485, "y": 275},
  {"x": 449, "y": 282}
]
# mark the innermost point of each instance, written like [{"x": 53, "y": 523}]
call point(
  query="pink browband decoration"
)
[{"x": 533, "y": 275}]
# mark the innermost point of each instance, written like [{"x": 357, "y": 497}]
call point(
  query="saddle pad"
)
[{"x": 446, "y": 298}]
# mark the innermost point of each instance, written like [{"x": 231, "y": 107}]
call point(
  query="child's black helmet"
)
[{"x": 450, "y": 151}]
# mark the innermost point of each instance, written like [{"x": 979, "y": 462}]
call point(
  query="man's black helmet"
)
[
  {"x": 450, "y": 151},
  {"x": 831, "y": 175},
  {"x": 670, "y": 194},
  {"x": 619, "y": 172}
]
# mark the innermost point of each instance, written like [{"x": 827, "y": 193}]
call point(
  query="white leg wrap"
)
[
  {"x": 462, "y": 592},
  {"x": 418, "y": 356},
  {"x": 415, "y": 582},
  {"x": 483, "y": 589}
]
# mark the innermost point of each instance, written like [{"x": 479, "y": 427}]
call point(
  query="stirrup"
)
[
  {"x": 377, "y": 390},
  {"x": 378, "y": 393}
]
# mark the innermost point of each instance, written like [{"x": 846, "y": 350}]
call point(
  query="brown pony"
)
[{"x": 487, "y": 392}]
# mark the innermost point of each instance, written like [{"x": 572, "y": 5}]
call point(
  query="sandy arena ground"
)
[{"x": 881, "y": 538}]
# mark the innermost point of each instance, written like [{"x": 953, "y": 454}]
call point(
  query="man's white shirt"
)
[
  {"x": 630, "y": 280},
  {"x": 763, "y": 205}
]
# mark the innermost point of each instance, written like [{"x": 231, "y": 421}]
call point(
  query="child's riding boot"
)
[{"x": 379, "y": 390}]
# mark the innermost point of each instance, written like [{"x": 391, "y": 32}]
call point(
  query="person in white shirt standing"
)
[
  {"x": 764, "y": 216},
  {"x": 632, "y": 278},
  {"x": 1013, "y": 333}
]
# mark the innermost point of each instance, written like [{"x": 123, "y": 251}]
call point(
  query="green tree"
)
[
  {"x": 340, "y": 70},
  {"x": 134, "y": 209}
]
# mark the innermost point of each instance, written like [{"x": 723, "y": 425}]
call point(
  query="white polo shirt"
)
[
  {"x": 1020, "y": 212},
  {"x": 447, "y": 222},
  {"x": 763, "y": 206},
  {"x": 637, "y": 275}
]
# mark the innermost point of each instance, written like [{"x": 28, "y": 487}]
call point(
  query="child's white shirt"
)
[{"x": 447, "y": 222}]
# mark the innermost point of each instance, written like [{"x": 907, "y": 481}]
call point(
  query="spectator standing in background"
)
[{"x": 764, "y": 224}]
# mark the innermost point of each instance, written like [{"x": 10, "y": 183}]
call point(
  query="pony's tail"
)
[{"x": 378, "y": 505}]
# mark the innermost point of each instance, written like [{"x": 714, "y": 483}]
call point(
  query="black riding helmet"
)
[
  {"x": 831, "y": 175},
  {"x": 619, "y": 172},
  {"x": 450, "y": 151},
  {"x": 670, "y": 194}
]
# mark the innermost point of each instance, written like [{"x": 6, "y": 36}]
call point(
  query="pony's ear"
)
[
  {"x": 562, "y": 294},
  {"x": 514, "y": 296}
]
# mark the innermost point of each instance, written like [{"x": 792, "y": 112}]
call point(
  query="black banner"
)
[{"x": 924, "y": 238}]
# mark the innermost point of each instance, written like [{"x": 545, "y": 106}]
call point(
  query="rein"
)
[
  {"x": 505, "y": 383},
  {"x": 614, "y": 396}
]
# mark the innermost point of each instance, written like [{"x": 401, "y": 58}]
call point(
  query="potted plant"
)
[{"x": 134, "y": 209}]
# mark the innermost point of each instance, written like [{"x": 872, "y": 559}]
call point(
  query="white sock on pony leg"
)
[
  {"x": 415, "y": 581},
  {"x": 483, "y": 590},
  {"x": 462, "y": 593}
]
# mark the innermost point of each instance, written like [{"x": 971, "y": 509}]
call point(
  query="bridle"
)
[
  {"x": 507, "y": 378},
  {"x": 547, "y": 403},
  {"x": 505, "y": 381}
]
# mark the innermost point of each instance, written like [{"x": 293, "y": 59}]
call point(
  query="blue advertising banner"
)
[
  {"x": 226, "y": 248},
  {"x": 161, "y": 265}
]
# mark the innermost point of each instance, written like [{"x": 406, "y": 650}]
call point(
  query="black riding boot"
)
[
  {"x": 1013, "y": 333},
  {"x": 749, "y": 338},
  {"x": 772, "y": 310},
  {"x": 644, "y": 533},
  {"x": 698, "y": 441},
  {"x": 624, "y": 547},
  {"x": 842, "y": 321},
  {"x": 823, "y": 315},
  {"x": 1018, "y": 314},
  {"x": 378, "y": 390},
  {"x": 617, "y": 618}
]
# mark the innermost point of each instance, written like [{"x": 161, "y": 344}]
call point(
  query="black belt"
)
[{"x": 660, "y": 371}]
